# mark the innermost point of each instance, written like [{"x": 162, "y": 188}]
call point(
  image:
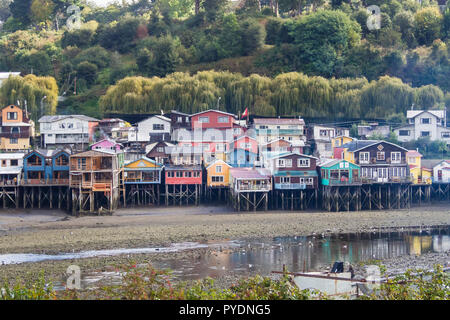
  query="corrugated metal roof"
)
[
  {"x": 250, "y": 173},
  {"x": 278, "y": 121},
  {"x": 61, "y": 117}
]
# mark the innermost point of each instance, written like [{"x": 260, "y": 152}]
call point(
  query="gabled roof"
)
[
  {"x": 47, "y": 153},
  {"x": 217, "y": 161},
  {"x": 413, "y": 153},
  {"x": 156, "y": 116},
  {"x": 109, "y": 140},
  {"x": 62, "y": 117},
  {"x": 414, "y": 113},
  {"x": 151, "y": 146},
  {"x": 182, "y": 113},
  {"x": 213, "y": 110},
  {"x": 146, "y": 159},
  {"x": 357, "y": 145},
  {"x": 326, "y": 163}
]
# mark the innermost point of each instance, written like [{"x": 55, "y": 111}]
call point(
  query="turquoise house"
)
[{"x": 339, "y": 172}]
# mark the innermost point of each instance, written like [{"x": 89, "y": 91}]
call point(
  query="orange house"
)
[{"x": 16, "y": 129}]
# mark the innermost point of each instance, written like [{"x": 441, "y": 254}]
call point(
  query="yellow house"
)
[
  {"x": 340, "y": 140},
  {"x": 218, "y": 174},
  {"x": 16, "y": 129},
  {"x": 413, "y": 159},
  {"x": 142, "y": 171}
]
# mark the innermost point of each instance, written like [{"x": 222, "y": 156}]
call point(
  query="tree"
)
[
  {"x": 321, "y": 38},
  {"x": 428, "y": 22},
  {"x": 428, "y": 97},
  {"x": 87, "y": 71},
  {"x": 252, "y": 35},
  {"x": 214, "y": 8},
  {"x": 21, "y": 10},
  {"x": 31, "y": 89}
]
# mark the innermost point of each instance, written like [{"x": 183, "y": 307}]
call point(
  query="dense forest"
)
[{"x": 311, "y": 58}]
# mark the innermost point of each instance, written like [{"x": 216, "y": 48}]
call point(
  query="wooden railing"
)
[{"x": 31, "y": 182}]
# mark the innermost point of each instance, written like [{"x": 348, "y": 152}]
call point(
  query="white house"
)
[
  {"x": 155, "y": 128},
  {"x": 270, "y": 129},
  {"x": 321, "y": 136},
  {"x": 11, "y": 165},
  {"x": 424, "y": 123},
  {"x": 441, "y": 172},
  {"x": 63, "y": 130}
]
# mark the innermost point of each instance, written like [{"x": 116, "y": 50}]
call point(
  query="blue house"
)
[
  {"x": 239, "y": 158},
  {"x": 43, "y": 166}
]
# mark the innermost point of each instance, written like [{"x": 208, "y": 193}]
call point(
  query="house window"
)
[
  {"x": 246, "y": 145},
  {"x": 396, "y": 157},
  {"x": 302, "y": 163},
  {"x": 411, "y": 160},
  {"x": 179, "y": 174},
  {"x": 180, "y": 119},
  {"x": 197, "y": 174},
  {"x": 160, "y": 149},
  {"x": 425, "y": 133},
  {"x": 203, "y": 119},
  {"x": 13, "y": 141},
  {"x": 218, "y": 169},
  {"x": 263, "y": 127},
  {"x": 220, "y": 147},
  {"x": 288, "y": 162},
  {"x": 364, "y": 157},
  {"x": 281, "y": 163},
  {"x": 69, "y": 125},
  {"x": 3, "y": 163},
  {"x": 62, "y": 125},
  {"x": 323, "y": 133},
  {"x": 380, "y": 156},
  {"x": 14, "y": 130},
  {"x": 403, "y": 133},
  {"x": 81, "y": 163},
  {"x": 217, "y": 178},
  {"x": 222, "y": 120},
  {"x": 188, "y": 174},
  {"x": 285, "y": 179},
  {"x": 12, "y": 115},
  {"x": 170, "y": 174},
  {"x": 14, "y": 162},
  {"x": 158, "y": 126},
  {"x": 309, "y": 181},
  {"x": 445, "y": 134},
  {"x": 425, "y": 120}
]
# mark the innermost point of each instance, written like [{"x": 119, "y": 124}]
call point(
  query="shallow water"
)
[{"x": 261, "y": 256}]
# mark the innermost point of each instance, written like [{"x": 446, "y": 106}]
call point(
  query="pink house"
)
[{"x": 107, "y": 144}]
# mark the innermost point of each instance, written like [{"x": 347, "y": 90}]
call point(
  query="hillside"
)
[{"x": 316, "y": 59}]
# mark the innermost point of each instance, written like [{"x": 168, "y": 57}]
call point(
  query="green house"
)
[{"x": 339, "y": 172}]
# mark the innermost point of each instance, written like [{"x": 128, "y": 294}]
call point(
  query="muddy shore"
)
[{"x": 54, "y": 232}]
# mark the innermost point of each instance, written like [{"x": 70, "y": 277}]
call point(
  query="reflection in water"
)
[{"x": 312, "y": 253}]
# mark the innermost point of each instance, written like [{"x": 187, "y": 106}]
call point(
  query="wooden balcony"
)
[{"x": 45, "y": 182}]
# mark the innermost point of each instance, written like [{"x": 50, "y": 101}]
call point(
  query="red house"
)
[
  {"x": 212, "y": 119},
  {"x": 183, "y": 175}
]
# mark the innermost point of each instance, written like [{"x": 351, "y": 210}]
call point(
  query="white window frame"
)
[
  {"x": 364, "y": 157},
  {"x": 306, "y": 163},
  {"x": 219, "y": 169},
  {"x": 397, "y": 159}
]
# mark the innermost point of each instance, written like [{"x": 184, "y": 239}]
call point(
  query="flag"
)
[{"x": 245, "y": 113}]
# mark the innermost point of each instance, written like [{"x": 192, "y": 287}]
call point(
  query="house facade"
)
[
  {"x": 16, "y": 129},
  {"x": 293, "y": 171},
  {"x": 46, "y": 166},
  {"x": 380, "y": 161},
  {"x": 422, "y": 124},
  {"x": 336, "y": 172},
  {"x": 157, "y": 151},
  {"x": 143, "y": 171},
  {"x": 11, "y": 166},
  {"x": 183, "y": 175},
  {"x": 212, "y": 119},
  {"x": 107, "y": 144},
  {"x": 153, "y": 129},
  {"x": 218, "y": 174},
  {"x": 441, "y": 172},
  {"x": 77, "y": 131},
  {"x": 269, "y": 129}
]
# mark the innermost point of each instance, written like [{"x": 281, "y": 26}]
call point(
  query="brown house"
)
[
  {"x": 157, "y": 151},
  {"x": 380, "y": 161},
  {"x": 293, "y": 171}
]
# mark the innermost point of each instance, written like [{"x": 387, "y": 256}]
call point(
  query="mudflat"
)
[{"x": 54, "y": 232}]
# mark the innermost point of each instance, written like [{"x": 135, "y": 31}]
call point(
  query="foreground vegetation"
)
[{"x": 147, "y": 283}]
